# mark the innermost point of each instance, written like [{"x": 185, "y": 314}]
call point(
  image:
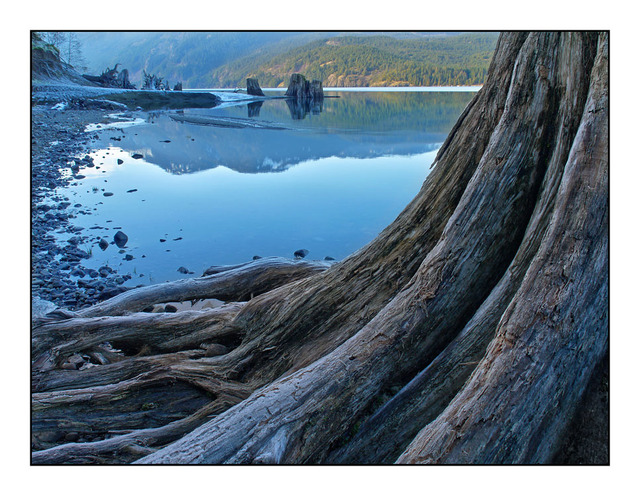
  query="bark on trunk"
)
[{"x": 465, "y": 333}]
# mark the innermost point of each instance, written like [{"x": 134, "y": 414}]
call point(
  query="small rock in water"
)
[
  {"x": 120, "y": 161},
  {"x": 128, "y": 257},
  {"x": 132, "y": 190},
  {"x": 301, "y": 253},
  {"x": 107, "y": 193},
  {"x": 170, "y": 309},
  {"x": 257, "y": 257},
  {"x": 329, "y": 258},
  {"x": 137, "y": 155},
  {"x": 183, "y": 270},
  {"x": 120, "y": 239},
  {"x": 162, "y": 240}
]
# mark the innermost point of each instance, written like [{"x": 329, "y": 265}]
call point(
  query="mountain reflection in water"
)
[
  {"x": 206, "y": 192},
  {"x": 356, "y": 125}
]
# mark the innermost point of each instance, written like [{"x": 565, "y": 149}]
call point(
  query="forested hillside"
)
[
  {"x": 372, "y": 61},
  {"x": 189, "y": 57},
  {"x": 226, "y": 59}
]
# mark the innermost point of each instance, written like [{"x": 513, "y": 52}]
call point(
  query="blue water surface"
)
[{"x": 329, "y": 180}]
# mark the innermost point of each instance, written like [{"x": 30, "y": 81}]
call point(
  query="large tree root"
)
[{"x": 448, "y": 339}]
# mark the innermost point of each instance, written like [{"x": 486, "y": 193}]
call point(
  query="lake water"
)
[{"x": 326, "y": 179}]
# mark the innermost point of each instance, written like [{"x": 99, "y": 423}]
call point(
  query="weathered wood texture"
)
[
  {"x": 388, "y": 431},
  {"x": 464, "y": 333},
  {"x": 517, "y": 402},
  {"x": 230, "y": 283},
  {"x": 253, "y": 88}
]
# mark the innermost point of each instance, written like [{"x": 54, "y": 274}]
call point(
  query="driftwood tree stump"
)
[
  {"x": 253, "y": 88},
  {"x": 466, "y": 332}
]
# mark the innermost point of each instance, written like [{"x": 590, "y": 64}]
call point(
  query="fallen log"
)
[{"x": 238, "y": 283}]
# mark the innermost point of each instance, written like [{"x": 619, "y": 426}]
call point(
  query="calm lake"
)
[{"x": 326, "y": 179}]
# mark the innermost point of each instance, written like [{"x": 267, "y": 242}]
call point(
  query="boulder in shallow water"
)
[
  {"x": 120, "y": 239},
  {"x": 301, "y": 253}
]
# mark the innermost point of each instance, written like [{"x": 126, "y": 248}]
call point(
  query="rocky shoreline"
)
[
  {"x": 60, "y": 151},
  {"x": 59, "y": 154}
]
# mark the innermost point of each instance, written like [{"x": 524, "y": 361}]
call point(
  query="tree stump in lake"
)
[
  {"x": 253, "y": 88},
  {"x": 466, "y": 332},
  {"x": 302, "y": 89}
]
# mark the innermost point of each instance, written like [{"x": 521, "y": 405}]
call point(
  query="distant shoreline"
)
[{"x": 433, "y": 89}]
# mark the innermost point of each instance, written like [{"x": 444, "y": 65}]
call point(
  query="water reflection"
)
[
  {"x": 356, "y": 125},
  {"x": 299, "y": 109},
  {"x": 343, "y": 174},
  {"x": 253, "y": 109}
]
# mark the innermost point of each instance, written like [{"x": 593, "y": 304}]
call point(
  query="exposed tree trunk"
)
[{"x": 465, "y": 333}]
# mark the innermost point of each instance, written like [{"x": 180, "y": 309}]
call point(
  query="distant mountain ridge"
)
[
  {"x": 380, "y": 60},
  {"x": 189, "y": 57},
  {"x": 226, "y": 59}
]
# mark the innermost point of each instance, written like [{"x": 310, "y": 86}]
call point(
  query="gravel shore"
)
[{"x": 59, "y": 148}]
